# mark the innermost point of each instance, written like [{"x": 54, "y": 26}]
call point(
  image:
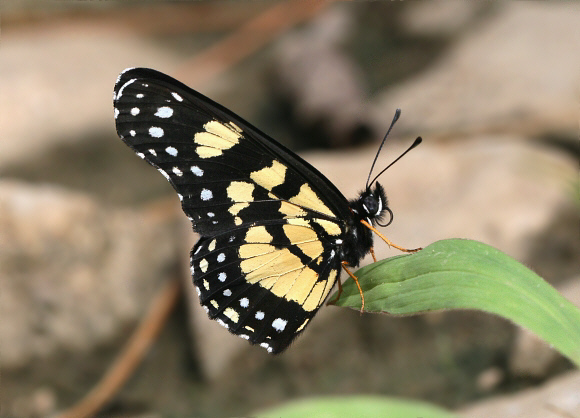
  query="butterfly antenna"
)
[
  {"x": 413, "y": 145},
  {"x": 395, "y": 119}
]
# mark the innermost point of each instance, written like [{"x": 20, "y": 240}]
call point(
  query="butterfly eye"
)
[{"x": 371, "y": 204}]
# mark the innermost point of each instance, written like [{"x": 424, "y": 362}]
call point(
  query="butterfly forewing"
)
[{"x": 269, "y": 222}]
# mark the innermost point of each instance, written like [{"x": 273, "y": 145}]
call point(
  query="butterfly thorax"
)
[{"x": 369, "y": 206}]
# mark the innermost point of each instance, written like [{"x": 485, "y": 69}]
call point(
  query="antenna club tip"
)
[
  {"x": 397, "y": 113},
  {"x": 417, "y": 141}
]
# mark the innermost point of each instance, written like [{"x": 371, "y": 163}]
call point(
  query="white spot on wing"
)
[
  {"x": 196, "y": 170},
  {"x": 244, "y": 302},
  {"x": 164, "y": 112},
  {"x": 177, "y": 171},
  {"x": 259, "y": 315},
  {"x": 156, "y": 132},
  {"x": 211, "y": 214},
  {"x": 206, "y": 194},
  {"x": 180, "y": 197},
  {"x": 139, "y": 95},
  {"x": 245, "y": 336},
  {"x": 123, "y": 87},
  {"x": 141, "y": 155},
  {"x": 152, "y": 151},
  {"x": 177, "y": 97},
  {"x": 222, "y": 323},
  {"x": 279, "y": 324},
  {"x": 227, "y": 292},
  {"x": 135, "y": 111},
  {"x": 164, "y": 173},
  {"x": 221, "y": 257},
  {"x": 116, "y": 113},
  {"x": 171, "y": 151},
  {"x": 222, "y": 277},
  {"x": 132, "y": 132}
]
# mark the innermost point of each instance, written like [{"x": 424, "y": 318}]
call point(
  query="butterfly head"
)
[{"x": 372, "y": 204}]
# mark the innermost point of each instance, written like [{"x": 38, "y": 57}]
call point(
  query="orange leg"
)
[
  {"x": 362, "y": 296},
  {"x": 389, "y": 243},
  {"x": 373, "y": 254}
]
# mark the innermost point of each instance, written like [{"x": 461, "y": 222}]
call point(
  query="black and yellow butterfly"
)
[{"x": 274, "y": 231}]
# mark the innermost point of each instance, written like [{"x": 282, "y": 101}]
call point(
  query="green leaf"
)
[
  {"x": 355, "y": 406},
  {"x": 464, "y": 274}
]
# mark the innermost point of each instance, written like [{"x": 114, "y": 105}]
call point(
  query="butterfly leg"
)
[
  {"x": 389, "y": 243},
  {"x": 373, "y": 254},
  {"x": 332, "y": 302},
  {"x": 362, "y": 296}
]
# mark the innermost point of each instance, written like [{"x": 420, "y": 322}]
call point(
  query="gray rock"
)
[
  {"x": 72, "y": 273},
  {"x": 323, "y": 84},
  {"x": 58, "y": 84},
  {"x": 560, "y": 397},
  {"x": 513, "y": 73}
]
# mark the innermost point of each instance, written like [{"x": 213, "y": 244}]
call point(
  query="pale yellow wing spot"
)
[
  {"x": 208, "y": 152},
  {"x": 207, "y": 139},
  {"x": 312, "y": 249},
  {"x": 212, "y": 245},
  {"x": 320, "y": 292},
  {"x": 270, "y": 177},
  {"x": 313, "y": 300},
  {"x": 250, "y": 251},
  {"x": 331, "y": 228},
  {"x": 237, "y": 207},
  {"x": 232, "y": 314},
  {"x": 299, "y": 233},
  {"x": 291, "y": 210},
  {"x": 258, "y": 234},
  {"x": 240, "y": 191},
  {"x": 302, "y": 286},
  {"x": 228, "y": 132},
  {"x": 284, "y": 283},
  {"x": 301, "y": 327},
  {"x": 308, "y": 199}
]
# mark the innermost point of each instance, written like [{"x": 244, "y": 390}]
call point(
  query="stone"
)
[
  {"x": 512, "y": 73},
  {"x": 73, "y": 273},
  {"x": 557, "y": 398}
]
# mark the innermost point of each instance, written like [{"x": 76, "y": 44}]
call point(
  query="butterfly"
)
[{"x": 275, "y": 233}]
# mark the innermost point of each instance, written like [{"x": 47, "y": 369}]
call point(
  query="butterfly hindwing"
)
[
  {"x": 269, "y": 221},
  {"x": 259, "y": 284}
]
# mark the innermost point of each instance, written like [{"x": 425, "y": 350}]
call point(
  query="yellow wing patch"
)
[
  {"x": 216, "y": 138},
  {"x": 320, "y": 292},
  {"x": 270, "y": 177},
  {"x": 282, "y": 272},
  {"x": 232, "y": 314},
  {"x": 307, "y": 198}
]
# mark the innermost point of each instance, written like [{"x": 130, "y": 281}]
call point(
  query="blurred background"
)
[{"x": 90, "y": 235}]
